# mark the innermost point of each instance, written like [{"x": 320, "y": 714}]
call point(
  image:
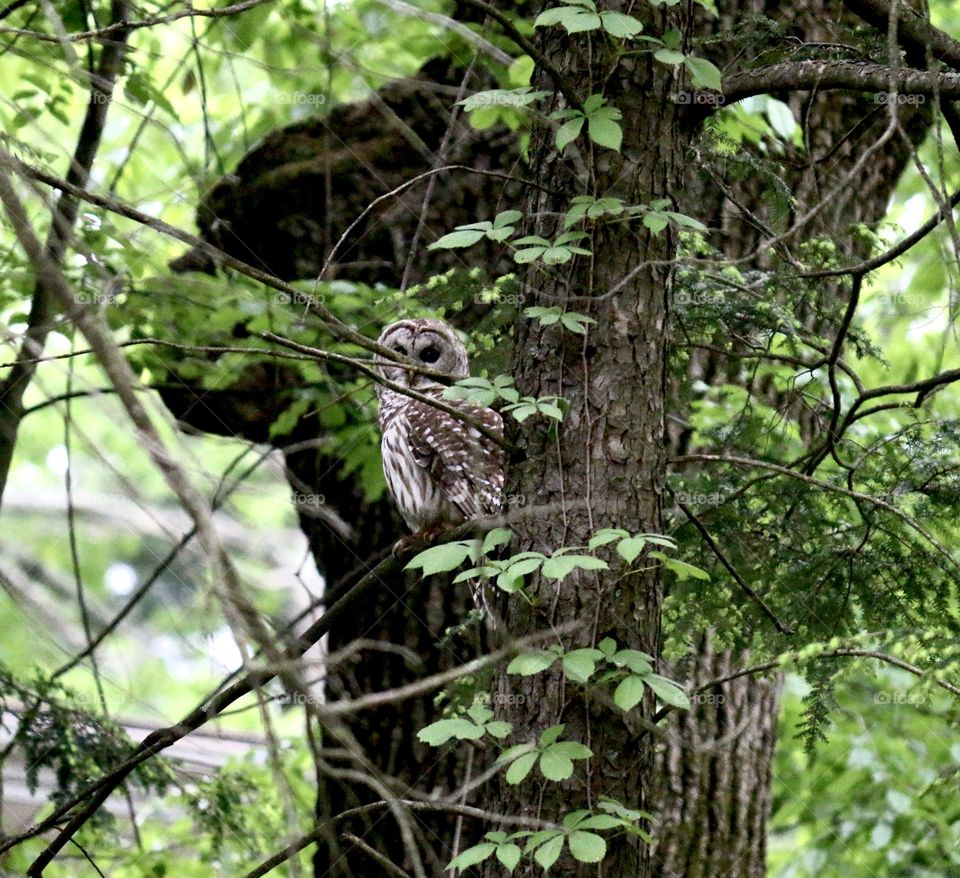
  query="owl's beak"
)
[{"x": 410, "y": 376}]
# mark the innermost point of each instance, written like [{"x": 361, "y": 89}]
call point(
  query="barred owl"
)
[{"x": 440, "y": 470}]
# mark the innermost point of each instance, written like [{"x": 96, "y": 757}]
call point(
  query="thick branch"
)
[
  {"x": 112, "y": 30},
  {"x": 913, "y": 31},
  {"x": 879, "y": 78}
]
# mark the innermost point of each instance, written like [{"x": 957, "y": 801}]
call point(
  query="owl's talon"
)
[
  {"x": 425, "y": 536},
  {"x": 401, "y": 545}
]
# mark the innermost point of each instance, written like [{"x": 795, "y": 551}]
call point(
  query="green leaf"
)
[
  {"x": 535, "y": 839},
  {"x": 507, "y": 218},
  {"x": 615, "y": 807},
  {"x": 629, "y": 693},
  {"x": 511, "y": 578},
  {"x": 608, "y": 646},
  {"x": 681, "y": 219},
  {"x": 559, "y": 566},
  {"x": 449, "y": 556},
  {"x": 550, "y": 734},
  {"x": 471, "y": 856},
  {"x": 605, "y": 131},
  {"x": 546, "y": 316},
  {"x": 522, "y": 412},
  {"x": 630, "y": 548},
  {"x": 528, "y": 663},
  {"x": 667, "y": 691},
  {"x": 557, "y": 255},
  {"x": 516, "y": 750},
  {"x": 579, "y": 664},
  {"x": 479, "y": 713},
  {"x": 587, "y": 847},
  {"x": 567, "y": 133},
  {"x": 601, "y": 821},
  {"x": 781, "y": 118},
  {"x": 576, "y": 322},
  {"x": 499, "y": 536},
  {"x": 583, "y": 21},
  {"x": 499, "y": 728},
  {"x": 619, "y": 25},
  {"x": 604, "y": 536},
  {"x": 655, "y": 222},
  {"x": 528, "y": 255},
  {"x": 575, "y": 818},
  {"x": 502, "y": 97},
  {"x": 453, "y": 240},
  {"x": 669, "y": 56},
  {"x": 638, "y": 662},
  {"x": 443, "y": 730},
  {"x": 547, "y": 854},
  {"x": 509, "y": 855},
  {"x": 551, "y": 410},
  {"x": 554, "y": 765},
  {"x": 672, "y": 38},
  {"x": 484, "y": 572},
  {"x": 703, "y": 73},
  {"x": 571, "y": 749},
  {"x": 520, "y": 767},
  {"x": 683, "y": 570}
]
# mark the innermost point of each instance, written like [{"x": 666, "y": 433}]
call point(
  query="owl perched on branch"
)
[{"x": 440, "y": 470}]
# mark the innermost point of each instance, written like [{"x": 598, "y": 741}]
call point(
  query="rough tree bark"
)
[{"x": 606, "y": 464}]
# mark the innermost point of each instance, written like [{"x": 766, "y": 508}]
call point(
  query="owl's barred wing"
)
[{"x": 466, "y": 465}]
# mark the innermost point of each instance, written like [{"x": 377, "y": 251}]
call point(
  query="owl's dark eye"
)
[
  {"x": 430, "y": 355},
  {"x": 400, "y": 349}
]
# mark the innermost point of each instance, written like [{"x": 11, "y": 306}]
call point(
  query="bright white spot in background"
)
[
  {"x": 914, "y": 212},
  {"x": 57, "y": 460},
  {"x": 120, "y": 579},
  {"x": 91, "y": 221},
  {"x": 223, "y": 649},
  {"x": 170, "y": 651}
]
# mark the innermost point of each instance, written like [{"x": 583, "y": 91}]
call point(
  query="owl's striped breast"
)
[{"x": 420, "y": 501}]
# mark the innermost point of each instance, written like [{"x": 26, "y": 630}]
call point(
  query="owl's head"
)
[{"x": 432, "y": 343}]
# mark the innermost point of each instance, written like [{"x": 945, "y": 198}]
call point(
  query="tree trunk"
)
[
  {"x": 605, "y": 465},
  {"x": 714, "y": 768},
  {"x": 715, "y": 771}
]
